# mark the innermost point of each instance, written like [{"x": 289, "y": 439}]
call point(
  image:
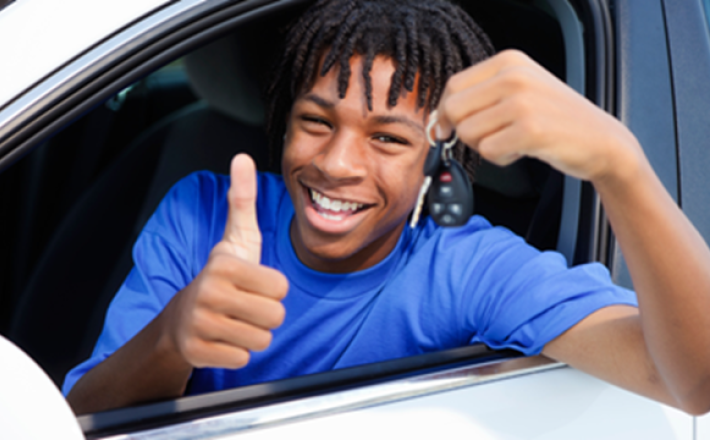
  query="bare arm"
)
[
  {"x": 670, "y": 267},
  {"x": 509, "y": 107},
  {"x": 145, "y": 368}
]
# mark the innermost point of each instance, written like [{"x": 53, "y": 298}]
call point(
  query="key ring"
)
[{"x": 448, "y": 144}]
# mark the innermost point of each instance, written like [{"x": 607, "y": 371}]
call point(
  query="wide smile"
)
[{"x": 332, "y": 215}]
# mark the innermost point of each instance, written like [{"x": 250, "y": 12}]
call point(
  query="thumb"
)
[
  {"x": 242, "y": 229},
  {"x": 439, "y": 126}
]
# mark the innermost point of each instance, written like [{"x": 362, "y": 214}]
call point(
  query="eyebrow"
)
[
  {"x": 319, "y": 101},
  {"x": 380, "y": 119},
  {"x": 392, "y": 119}
]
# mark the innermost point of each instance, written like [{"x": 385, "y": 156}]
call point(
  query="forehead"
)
[{"x": 381, "y": 79}]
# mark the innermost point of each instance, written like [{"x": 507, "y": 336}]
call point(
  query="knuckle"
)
[
  {"x": 487, "y": 151},
  {"x": 492, "y": 152},
  {"x": 262, "y": 340},
  {"x": 206, "y": 294},
  {"x": 449, "y": 109},
  {"x": 277, "y": 315},
  {"x": 200, "y": 321},
  {"x": 281, "y": 285},
  {"x": 455, "y": 83},
  {"x": 522, "y": 107},
  {"x": 513, "y": 56},
  {"x": 468, "y": 135},
  {"x": 221, "y": 250},
  {"x": 217, "y": 264},
  {"x": 530, "y": 127},
  {"x": 191, "y": 350},
  {"x": 515, "y": 79},
  {"x": 240, "y": 358}
]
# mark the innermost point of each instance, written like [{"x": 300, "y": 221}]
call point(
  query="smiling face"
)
[{"x": 353, "y": 174}]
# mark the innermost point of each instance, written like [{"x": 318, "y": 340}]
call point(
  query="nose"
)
[{"x": 344, "y": 158}]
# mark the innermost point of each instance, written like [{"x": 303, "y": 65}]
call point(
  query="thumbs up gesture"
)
[{"x": 230, "y": 308}]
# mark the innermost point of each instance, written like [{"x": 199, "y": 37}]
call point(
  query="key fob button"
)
[
  {"x": 455, "y": 209},
  {"x": 437, "y": 208},
  {"x": 446, "y": 191},
  {"x": 450, "y": 195}
]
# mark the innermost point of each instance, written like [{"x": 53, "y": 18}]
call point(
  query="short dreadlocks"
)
[{"x": 433, "y": 38}]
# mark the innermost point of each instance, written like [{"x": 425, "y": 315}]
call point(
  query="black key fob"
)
[
  {"x": 433, "y": 159},
  {"x": 450, "y": 195}
]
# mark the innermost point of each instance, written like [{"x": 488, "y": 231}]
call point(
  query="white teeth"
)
[
  {"x": 330, "y": 217},
  {"x": 333, "y": 205}
]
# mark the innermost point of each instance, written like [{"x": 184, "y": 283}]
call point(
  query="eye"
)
[
  {"x": 389, "y": 139},
  {"x": 315, "y": 120}
]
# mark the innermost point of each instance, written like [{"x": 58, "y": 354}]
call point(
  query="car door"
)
[
  {"x": 689, "y": 48},
  {"x": 465, "y": 392}
]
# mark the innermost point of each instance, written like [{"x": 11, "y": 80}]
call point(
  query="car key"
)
[
  {"x": 450, "y": 195},
  {"x": 445, "y": 183},
  {"x": 431, "y": 166}
]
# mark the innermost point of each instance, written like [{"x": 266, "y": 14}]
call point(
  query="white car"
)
[{"x": 103, "y": 105}]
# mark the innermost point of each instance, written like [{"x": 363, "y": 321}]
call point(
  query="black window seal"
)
[{"x": 595, "y": 236}]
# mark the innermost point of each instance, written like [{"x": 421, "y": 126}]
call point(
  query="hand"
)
[
  {"x": 508, "y": 107},
  {"x": 230, "y": 307}
]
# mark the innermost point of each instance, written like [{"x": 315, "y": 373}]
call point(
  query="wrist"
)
[
  {"x": 625, "y": 165},
  {"x": 166, "y": 348}
]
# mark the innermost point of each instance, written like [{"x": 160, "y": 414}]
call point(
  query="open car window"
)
[{"x": 109, "y": 168}]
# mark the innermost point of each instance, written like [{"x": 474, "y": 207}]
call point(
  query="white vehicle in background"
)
[{"x": 102, "y": 105}]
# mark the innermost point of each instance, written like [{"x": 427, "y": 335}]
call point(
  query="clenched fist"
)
[
  {"x": 230, "y": 308},
  {"x": 508, "y": 107}
]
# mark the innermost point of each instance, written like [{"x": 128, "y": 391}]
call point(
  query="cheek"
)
[
  {"x": 403, "y": 190},
  {"x": 300, "y": 147},
  {"x": 294, "y": 155}
]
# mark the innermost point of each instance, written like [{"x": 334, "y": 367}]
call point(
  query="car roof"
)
[{"x": 42, "y": 35}]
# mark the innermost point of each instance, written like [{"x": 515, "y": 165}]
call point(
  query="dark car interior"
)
[{"x": 72, "y": 208}]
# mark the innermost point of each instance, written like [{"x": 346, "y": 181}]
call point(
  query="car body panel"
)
[
  {"x": 551, "y": 404},
  {"x": 557, "y": 404},
  {"x": 644, "y": 95},
  {"x": 26, "y": 392},
  {"x": 30, "y": 27},
  {"x": 689, "y": 44},
  {"x": 529, "y": 397}
]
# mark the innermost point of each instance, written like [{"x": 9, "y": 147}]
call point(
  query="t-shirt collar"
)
[{"x": 328, "y": 285}]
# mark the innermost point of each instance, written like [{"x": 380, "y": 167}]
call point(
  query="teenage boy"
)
[{"x": 207, "y": 304}]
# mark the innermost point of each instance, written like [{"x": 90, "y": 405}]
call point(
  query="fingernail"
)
[
  {"x": 441, "y": 134},
  {"x": 439, "y": 131}
]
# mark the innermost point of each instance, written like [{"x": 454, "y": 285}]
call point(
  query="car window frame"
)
[
  {"x": 127, "y": 67},
  {"x": 476, "y": 364}
]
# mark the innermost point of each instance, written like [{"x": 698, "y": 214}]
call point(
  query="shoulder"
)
[
  {"x": 479, "y": 258},
  {"x": 207, "y": 192},
  {"x": 476, "y": 239}
]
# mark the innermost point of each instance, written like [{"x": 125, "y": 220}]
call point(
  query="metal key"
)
[{"x": 431, "y": 165}]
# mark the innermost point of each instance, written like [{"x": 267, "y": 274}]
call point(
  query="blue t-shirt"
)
[{"x": 439, "y": 288}]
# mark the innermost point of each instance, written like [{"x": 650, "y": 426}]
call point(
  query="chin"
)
[{"x": 327, "y": 249}]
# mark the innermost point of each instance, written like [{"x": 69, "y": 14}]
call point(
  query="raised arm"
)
[{"x": 509, "y": 107}]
